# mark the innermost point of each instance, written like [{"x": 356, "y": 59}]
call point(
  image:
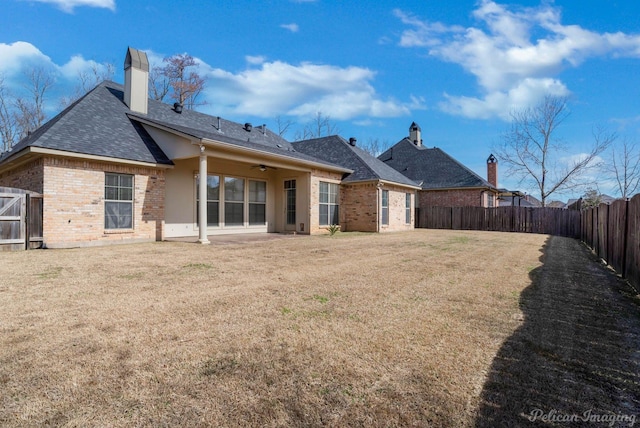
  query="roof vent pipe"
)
[
  {"x": 352, "y": 141},
  {"x": 218, "y": 123},
  {"x": 177, "y": 107},
  {"x": 264, "y": 129},
  {"x": 248, "y": 127}
]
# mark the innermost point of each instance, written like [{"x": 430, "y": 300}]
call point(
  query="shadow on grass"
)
[{"x": 575, "y": 361}]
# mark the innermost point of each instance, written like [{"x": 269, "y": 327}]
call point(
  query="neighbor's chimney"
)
[
  {"x": 136, "y": 80},
  {"x": 415, "y": 134},
  {"x": 492, "y": 170}
]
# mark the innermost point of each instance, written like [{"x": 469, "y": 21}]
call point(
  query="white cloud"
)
[
  {"x": 255, "y": 60},
  {"x": 500, "y": 104},
  {"x": 300, "y": 90},
  {"x": 69, "y": 5},
  {"x": 15, "y": 56},
  {"x": 77, "y": 65},
  {"x": 293, "y": 27},
  {"x": 515, "y": 53}
]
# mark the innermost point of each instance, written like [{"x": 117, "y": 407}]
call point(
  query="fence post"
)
[
  {"x": 451, "y": 218},
  {"x": 27, "y": 220},
  {"x": 625, "y": 238}
]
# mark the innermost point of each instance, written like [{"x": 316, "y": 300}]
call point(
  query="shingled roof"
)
[
  {"x": 101, "y": 124},
  {"x": 337, "y": 150},
  {"x": 434, "y": 168},
  {"x": 96, "y": 124}
]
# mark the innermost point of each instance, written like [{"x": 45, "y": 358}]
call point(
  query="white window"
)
[
  {"x": 213, "y": 200},
  {"x": 290, "y": 196},
  {"x": 227, "y": 198},
  {"x": 233, "y": 201},
  {"x": 407, "y": 204},
  {"x": 118, "y": 201},
  {"x": 328, "y": 204},
  {"x": 385, "y": 207},
  {"x": 257, "y": 203}
]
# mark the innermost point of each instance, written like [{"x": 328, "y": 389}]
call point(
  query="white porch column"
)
[{"x": 202, "y": 196}]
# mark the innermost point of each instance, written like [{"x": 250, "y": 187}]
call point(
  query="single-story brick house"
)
[
  {"x": 444, "y": 181},
  {"x": 116, "y": 166},
  {"x": 374, "y": 197}
]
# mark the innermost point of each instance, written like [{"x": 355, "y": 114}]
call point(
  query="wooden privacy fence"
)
[
  {"x": 552, "y": 221},
  {"x": 20, "y": 219},
  {"x": 613, "y": 232}
]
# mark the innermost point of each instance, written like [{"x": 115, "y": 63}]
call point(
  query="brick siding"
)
[
  {"x": 74, "y": 200},
  {"x": 361, "y": 204},
  {"x": 314, "y": 199},
  {"x": 453, "y": 198},
  {"x": 27, "y": 176},
  {"x": 397, "y": 209}
]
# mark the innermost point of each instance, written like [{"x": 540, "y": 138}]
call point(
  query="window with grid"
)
[
  {"x": 257, "y": 202},
  {"x": 385, "y": 207},
  {"x": 290, "y": 195},
  {"x": 213, "y": 200},
  {"x": 233, "y": 201},
  {"x": 118, "y": 201},
  {"x": 407, "y": 204},
  {"x": 328, "y": 204}
]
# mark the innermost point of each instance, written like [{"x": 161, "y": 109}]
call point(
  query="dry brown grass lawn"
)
[{"x": 361, "y": 330}]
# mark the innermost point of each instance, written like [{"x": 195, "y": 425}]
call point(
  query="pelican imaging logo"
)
[{"x": 555, "y": 416}]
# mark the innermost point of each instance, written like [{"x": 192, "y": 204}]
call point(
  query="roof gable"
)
[
  {"x": 434, "y": 168},
  {"x": 96, "y": 124},
  {"x": 337, "y": 150}
]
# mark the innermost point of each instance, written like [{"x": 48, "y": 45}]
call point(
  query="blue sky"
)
[{"x": 456, "y": 68}]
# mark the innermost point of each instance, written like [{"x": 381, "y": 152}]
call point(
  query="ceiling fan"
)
[{"x": 263, "y": 167}]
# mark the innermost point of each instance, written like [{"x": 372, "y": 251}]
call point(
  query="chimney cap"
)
[
  {"x": 136, "y": 59},
  {"x": 415, "y": 127},
  {"x": 492, "y": 159}
]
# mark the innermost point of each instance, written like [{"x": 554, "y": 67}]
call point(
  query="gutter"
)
[
  {"x": 11, "y": 160},
  {"x": 195, "y": 140}
]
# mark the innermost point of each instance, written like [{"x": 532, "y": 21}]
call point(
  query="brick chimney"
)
[
  {"x": 415, "y": 134},
  {"x": 136, "y": 80},
  {"x": 492, "y": 170}
]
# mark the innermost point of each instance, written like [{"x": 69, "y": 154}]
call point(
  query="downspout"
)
[{"x": 378, "y": 202}]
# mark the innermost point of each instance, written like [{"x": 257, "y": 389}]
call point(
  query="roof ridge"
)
[{"x": 465, "y": 167}]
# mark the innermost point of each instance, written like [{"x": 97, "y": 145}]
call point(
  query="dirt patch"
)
[{"x": 364, "y": 330}]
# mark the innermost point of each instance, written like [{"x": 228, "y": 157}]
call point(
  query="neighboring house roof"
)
[
  {"x": 339, "y": 151},
  {"x": 88, "y": 126},
  {"x": 507, "y": 198},
  {"x": 607, "y": 199},
  {"x": 101, "y": 124},
  {"x": 556, "y": 204},
  {"x": 434, "y": 168}
]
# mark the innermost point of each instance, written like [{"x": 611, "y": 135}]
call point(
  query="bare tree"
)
[
  {"x": 31, "y": 115},
  {"x": 87, "y": 80},
  {"x": 320, "y": 126},
  {"x": 178, "y": 79},
  {"x": 530, "y": 149},
  {"x": 624, "y": 168},
  {"x": 8, "y": 128},
  {"x": 158, "y": 84},
  {"x": 283, "y": 125},
  {"x": 374, "y": 146}
]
